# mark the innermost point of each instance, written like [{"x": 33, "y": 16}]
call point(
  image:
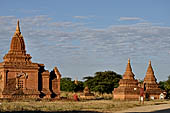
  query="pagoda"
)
[
  {"x": 128, "y": 86},
  {"x": 152, "y": 91},
  {"x": 21, "y": 78}
]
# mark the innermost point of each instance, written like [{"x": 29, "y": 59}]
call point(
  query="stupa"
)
[
  {"x": 21, "y": 78},
  {"x": 87, "y": 94},
  {"x": 128, "y": 86},
  {"x": 152, "y": 91}
]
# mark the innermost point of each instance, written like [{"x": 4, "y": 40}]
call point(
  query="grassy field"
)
[{"x": 65, "y": 105}]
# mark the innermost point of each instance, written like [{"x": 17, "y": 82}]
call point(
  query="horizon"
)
[{"x": 84, "y": 37}]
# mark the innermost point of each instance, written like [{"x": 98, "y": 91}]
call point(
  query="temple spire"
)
[
  {"x": 17, "y": 52},
  {"x": 17, "y": 43},
  {"x": 150, "y": 77},
  {"x": 128, "y": 67},
  {"x": 150, "y": 69},
  {"x": 18, "y": 28},
  {"x": 128, "y": 73}
]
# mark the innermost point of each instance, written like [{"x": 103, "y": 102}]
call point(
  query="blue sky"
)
[{"x": 82, "y": 37}]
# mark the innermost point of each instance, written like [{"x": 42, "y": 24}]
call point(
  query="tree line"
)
[{"x": 102, "y": 82}]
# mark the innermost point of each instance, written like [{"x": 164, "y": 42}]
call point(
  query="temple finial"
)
[
  {"x": 149, "y": 62},
  {"x": 18, "y": 28},
  {"x": 128, "y": 68},
  {"x": 128, "y": 60},
  {"x": 76, "y": 81}
]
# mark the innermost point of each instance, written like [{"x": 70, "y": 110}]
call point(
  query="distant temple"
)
[
  {"x": 129, "y": 88},
  {"x": 150, "y": 85},
  {"x": 21, "y": 78}
]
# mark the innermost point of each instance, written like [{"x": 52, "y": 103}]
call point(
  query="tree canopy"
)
[
  {"x": 67, "y": 85},
  {"x": 103, "y": 82},
  {"x": 165, "y": 85}
]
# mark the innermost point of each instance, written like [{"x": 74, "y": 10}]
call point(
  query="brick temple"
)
[
  {"x": 152, "y": 91},
  {"x": 128, "y": 86},
  {"x": 21, "y": 78}
]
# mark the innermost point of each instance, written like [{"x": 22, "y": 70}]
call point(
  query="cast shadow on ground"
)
[{"x": 52, "y": 112}]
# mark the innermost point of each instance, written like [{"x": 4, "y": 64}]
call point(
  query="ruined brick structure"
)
[
  {"x": 21, "y": 78},
  {"x": 150, "y": 85},
  {"x": 87, "y": 94},
  {"x": 128, "y": 86}
]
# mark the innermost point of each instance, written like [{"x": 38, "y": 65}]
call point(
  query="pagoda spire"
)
[
  {"x": 150, "y": 69},
  {"x": 150, "y": 77},
  {"x": 17, "y": 43},
  {"x": 17, "y": 52},
  {"x": 18, "y": 28},
  {"x": 128, "y": 73},
  {"x": 128, "y": 67}
]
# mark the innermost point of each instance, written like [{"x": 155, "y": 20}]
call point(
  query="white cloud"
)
[
  {"x": 67, "y": 43},
  {"x": 83, "y": 17},
  {"x": 130, "y": 19},
  {"x": 25, "y": 11},
  {"x": 65, "y": 24}
]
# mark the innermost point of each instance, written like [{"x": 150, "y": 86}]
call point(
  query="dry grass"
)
[
  {"x": 63, "y": 105},
  {"x": 69, "y": 95}
]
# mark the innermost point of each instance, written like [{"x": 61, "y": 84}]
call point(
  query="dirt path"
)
[{"x": 148, "y": 108}]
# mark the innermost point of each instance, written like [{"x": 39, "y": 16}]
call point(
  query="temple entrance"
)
[{"x": 21, "y": 80}]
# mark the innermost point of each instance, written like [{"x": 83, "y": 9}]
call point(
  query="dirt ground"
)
[{"x": 162, "y": 108}]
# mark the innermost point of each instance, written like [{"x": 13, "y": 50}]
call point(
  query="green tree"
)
[
  {"x": 162, "y": 85},
  {"x": 103, "y": 82},
  {"x": 79, "y": 86},
  {"x": 167, "y": 87},
  {"x": 67, "y": 85}
]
